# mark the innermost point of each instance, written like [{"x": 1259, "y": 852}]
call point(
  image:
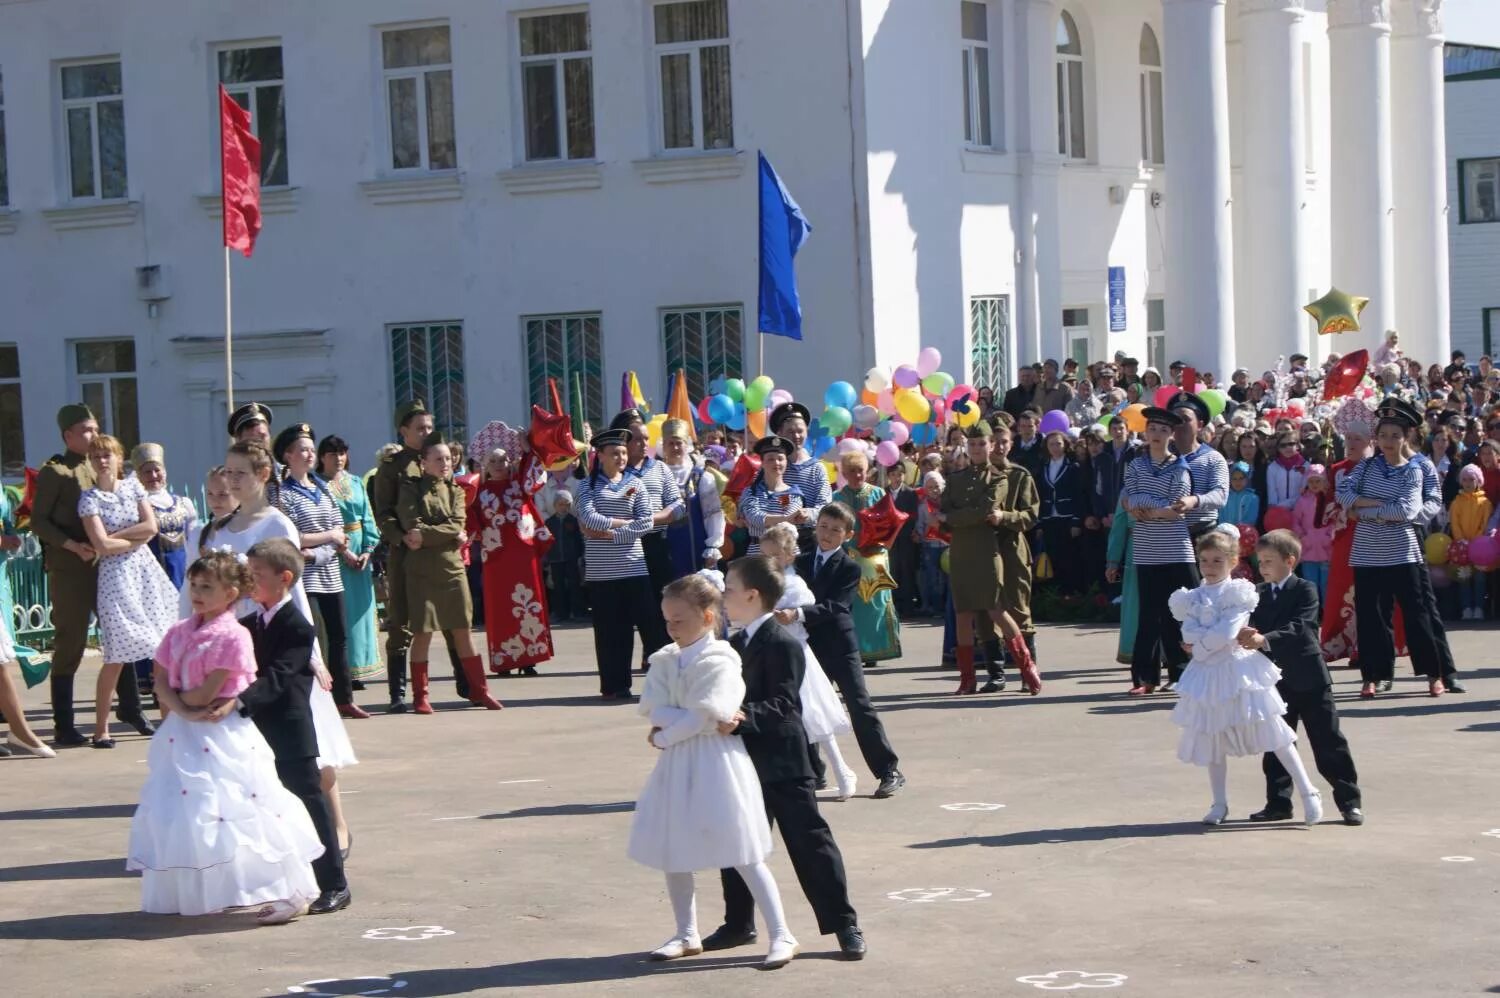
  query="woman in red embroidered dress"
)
[{"x": 514, "y": 540}]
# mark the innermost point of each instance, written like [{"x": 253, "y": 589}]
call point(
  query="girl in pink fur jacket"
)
[{"x": 1310, "y": 523}]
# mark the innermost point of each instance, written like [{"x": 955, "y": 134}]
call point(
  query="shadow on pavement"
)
[
  {"x": 1058, "y": 836},
  {"x": 133, "y": 925},
  {"x": 565, "y": 810},
  {"x": 91, "y": 811},
  {"x": 80, "y": 869}
]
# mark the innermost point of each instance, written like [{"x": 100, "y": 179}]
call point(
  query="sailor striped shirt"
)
[
  {"x": 759, "y": 502},
  {"x": 1210, "y": 474},
  {"x": 1149, "y": 485},
  {"x": 313, "y": 511},
  {"x": 598, "y": 501},
  {"x": 1386, "y": 535},
  {"x": 811, "y": 479},
  {"x": 661, "y": 486}
]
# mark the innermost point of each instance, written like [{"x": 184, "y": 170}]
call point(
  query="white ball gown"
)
[
  {"x": 1227, "y": 701},
  {"x": 215, "y": 829},
  {"x": 823, "y": 713},
  {"x": 701, "y": 807}
]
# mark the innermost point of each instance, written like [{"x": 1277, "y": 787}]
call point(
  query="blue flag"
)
[{"x": 783, "y": 230}]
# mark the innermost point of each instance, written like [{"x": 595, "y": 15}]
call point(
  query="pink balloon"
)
[
  {"x": 959, "y": 391},
  {"x": 1164, "y": 395},
  {"x": 1484, "y": 552},
  {"x": 928, "y": 361},
  {"x": 779, "y": 397},
  {"x": 906, "y": 376},
  {"x": 1278, "y": 518},
  {"x": 900, "y": 434},
  {"x": 888, "y": 453},
  {"x": 886, "y": 402},
  {"x": 939, "y": 411}
]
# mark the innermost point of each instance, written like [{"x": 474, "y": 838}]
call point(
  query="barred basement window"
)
[
  {"x": 427, "y": 363},
  {"x": 705, "y": 342},
  {"x": 561, "y": 346},
  {"x": 989, "y": 337}
]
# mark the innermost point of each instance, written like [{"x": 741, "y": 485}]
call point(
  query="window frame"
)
[
  {"x": 1156, "y": 336},
  {"x": 66, "y": 104},
  {"x": 1153, "y": 104},
  {"x": 1463, "y": 190},
  {"x": 7, "y": 459},
  {"x": 419, "y": 74},
  {"x": 973, "y": 91},
  {"x": 458, "y": 422},
  {"x": 694, "y": 50},
  {"x": 1064, "y": 91},
  {"x": 105, "y": 414},
  {"x": 1075, "y": 334},
  {"x": 593, "y": 383},
  {"x": 996, "y": 372},
  {"x": 704, "y": 374},
  {"x": 249, "y": 89},
  {"x": 557, "y": 60},
  {"x": 4, "y": 152}
]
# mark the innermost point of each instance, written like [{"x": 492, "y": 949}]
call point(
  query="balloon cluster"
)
[
  {"x": 733, "y": 403},
  {"x": 910, "y": 403}
]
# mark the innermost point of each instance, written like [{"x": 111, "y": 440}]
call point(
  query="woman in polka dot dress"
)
[{"x": 215, "y": 828}]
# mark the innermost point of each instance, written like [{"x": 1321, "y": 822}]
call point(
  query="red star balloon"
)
[
  {"x": 745, "y": 470},
  {"x": 880, "y": 523},
  {"x": 1346, "y": 374},
  {"x": 551, "y": 436}
]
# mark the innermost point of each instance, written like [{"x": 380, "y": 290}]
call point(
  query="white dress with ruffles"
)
[
  {"x": 1227, "y": 701},
  {"x": 823, "y": 714}
]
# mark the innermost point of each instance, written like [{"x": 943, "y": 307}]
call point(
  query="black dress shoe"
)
[
  {"x": 1273, "y": 812},
  {"x": 821, "y": 783},
  {"x": 102, "y": 743},
  {"x": 356, "y": 685},
  {"x": 330, "y": 901},
  {"x": 1454, "y": 686},
  {"x": 1353, "y": 816},
  {"x": 725, "y": 937},
  {"x": 140, "y": 723},
  {"x": 892, "y": 782},
  {"x": 4, "y": 750},
  {"x": 852, "y": 943},
  {"x": 397, "y": 707},
  {"x": 69, "y": 738},
  {"x": 993, "y": 686}
]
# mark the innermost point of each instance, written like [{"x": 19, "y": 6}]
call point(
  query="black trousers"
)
[
  {"x": 1376, "y": 592},
  {"x": 1064, "y": 553},
  {"x": 621, "y": 608},
  {"x": 659, "y": 565},
  {"x": 815, "y": 858},
  {"x": 848, "y": 674},
  {"x": 1439, "y": 632},
  {"x": 1320, "y": 719},
  {"x": 300, "y": 776},
  {"x": 1158, "y": 635},
  {"x": 328, "y": 617},
  {"x": 565, "y": 597}
]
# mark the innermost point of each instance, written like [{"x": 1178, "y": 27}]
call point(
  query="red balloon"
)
[
  {"x": 745, "y": 470},
  {"x": 1458, "y": 553},
  {"x": 1249, "y": 537},
  {"x": 1164, "y": 395},
  {"x": 703, "y": 416},
  {"x": 551, "y": 436},
  {"x": 1278, "y": 518},
  {"x": 1346, "y": 374},
  {"x": 880, "y": 523}
]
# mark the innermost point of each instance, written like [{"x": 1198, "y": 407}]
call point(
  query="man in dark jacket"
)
[{"x": 1024, "y": 395}]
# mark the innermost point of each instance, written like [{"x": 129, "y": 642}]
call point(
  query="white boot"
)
[
  {"x": 1312, "y": 808},
  {"x": 1216, "y": 814},
  {"x": 783, "y": 948},
  {"x": 678, "y": 947},
  {"x": 847, "y": 782}
]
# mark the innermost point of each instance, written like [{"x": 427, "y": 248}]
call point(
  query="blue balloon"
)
[
  {"x": 923, "y": 434},
  {"x": 736, "y": 420},
  {"x": 818, "y": 439},
  {"x": 721, "y": 408},
  {"x": 840, "y": 394},
  {"x": 716, "y": 386}
]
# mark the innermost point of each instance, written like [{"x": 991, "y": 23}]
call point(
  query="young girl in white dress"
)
[
  {"x": 701, "y": 808},
  {"x": 1227, "y": 702},
  {"x": 215, "y": 828},
  {"x": 823, "y": 714}
]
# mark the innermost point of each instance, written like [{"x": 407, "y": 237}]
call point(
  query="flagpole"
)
[{"x": 228, "y": 336}]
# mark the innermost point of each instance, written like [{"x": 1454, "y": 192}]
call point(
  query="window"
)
[
  {"x": 562, "y": 346},
  {"x": 1490, "y": 319},
  {"x": 692, "y": 67},
  {"x": 976, "y": 58},
  {"x": 253, "y": 78},
  {"x": 93, "y": 105},
  {"x": 12, "y": 433},
  {"x": 1071, "y": 133},
  {"x": 427, "y": 363},
  {"x": 4, "y": 175},
  {"x": 1153, "y": 137},
  {"x": 1076, "y": 334},
  {"x": 705, "y": 342},
  {"x": 1156, "y": 334},
  {"x": 1479, "y": 190},
  {"x": 105, "y": 372},
  {"x": 419, "y": 98},
  {"x": 557, "y": 86},
  {"x": 989, "y": 337}
]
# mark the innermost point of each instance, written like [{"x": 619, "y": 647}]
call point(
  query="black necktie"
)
[
  {"x": 821, "y": 561},
  {"x": 1275, "y": 592},
  {"x": 738, "y": 641}
]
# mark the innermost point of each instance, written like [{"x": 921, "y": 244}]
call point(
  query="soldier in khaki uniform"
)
[
  {"x": 72, "y": 573},
  {"x": 973, "y": 506},
  {"x": 1020, "y": 507}
]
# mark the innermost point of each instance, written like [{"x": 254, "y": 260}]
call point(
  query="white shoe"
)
[
  {"x": 677, "y": 948},
  {"x": 280, "y": 912},
  {"x": 1216, "y": 814},
  {"x": 847, "y": 782},
  {"x": 783, "y": 948},
  {"x": 39, "y": 750},
  {"x": 1312, "y": 808}
]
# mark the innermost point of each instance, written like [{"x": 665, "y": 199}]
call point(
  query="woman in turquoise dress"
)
[
  {"x": 1121, "y": 567},
  {"x": 348, "y": 492},
  {"x": 874, "y": 612}
]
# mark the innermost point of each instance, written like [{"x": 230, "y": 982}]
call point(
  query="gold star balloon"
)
[{"x": 1337, "y": 312}]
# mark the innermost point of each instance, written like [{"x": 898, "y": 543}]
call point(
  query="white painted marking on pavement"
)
[
  {"x": 1072, "y": 980},
  {"x": 505, "y": 783}
]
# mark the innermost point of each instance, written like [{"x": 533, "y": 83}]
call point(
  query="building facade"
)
[
  {"x": 463, "y": 198},
  {"x": 1473, "y": 136}
]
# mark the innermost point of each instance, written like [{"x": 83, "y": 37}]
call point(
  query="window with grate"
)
[
  {"x": 560, "y": 346},
  {"x": 427, "y": 362},
  {"x": 705, "y": 342},
  {"x": 989, "y": 337}
]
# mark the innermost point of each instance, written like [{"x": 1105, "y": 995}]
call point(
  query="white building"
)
[
  {"x": 1473, "y": 96},
  {"x": 466, "y": 195}
]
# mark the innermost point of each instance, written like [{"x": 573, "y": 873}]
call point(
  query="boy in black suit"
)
[
  {"x": 278, "y": 702},
  {"x": 1286, "y": 626},
  {"x": 833, "y": 577},
  {"x": 770, "y": 722}
]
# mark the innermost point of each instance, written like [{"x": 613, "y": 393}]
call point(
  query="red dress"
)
[
  {"x": 1340, "y": 634},
  {"x": 514, "y": 540}
]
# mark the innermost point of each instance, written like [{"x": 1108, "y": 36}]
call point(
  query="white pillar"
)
[
  {"x": 1421, "y": 179},
  {"x": 1199, "y": 243},
  {"x": 1364, "y": 260},
  {"x": 1038, "y": 311},
  {"x": 1274, "y": 183}
]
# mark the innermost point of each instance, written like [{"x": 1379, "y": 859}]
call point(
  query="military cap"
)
[
  {"x": 72, "y": 414},
  {"x": 1187, "y": 400},
  {"x": 246, "y": 414},
  {"x": 406, "y": 410},
  {"x": 786, "y": 411},
  {"x": 289, "y": 436},
  {"x": 774, "y": 445}
]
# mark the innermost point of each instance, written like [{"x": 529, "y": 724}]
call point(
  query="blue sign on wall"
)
[{"x": 1117, "y": 299}]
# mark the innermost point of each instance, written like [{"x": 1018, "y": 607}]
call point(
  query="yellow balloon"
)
[
  {"x": 1135, "y": 418},
  {"x": 912, "y": 407},
  {"x": 832, "y": 471},
  {"x": 1337, "y": 312},
  {"x": 969, "y": 418}
]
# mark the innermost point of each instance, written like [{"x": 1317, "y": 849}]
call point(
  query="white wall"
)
[{"x": 1473, "y": 127}]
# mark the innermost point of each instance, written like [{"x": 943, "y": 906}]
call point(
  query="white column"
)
[
  {"x": 1421, "y": 179},
  {"x": 1038, "y": 310},
  {"x": 1361, "y": 193},
  {"x": 1199, "y": 243},
  {"x": 1274, "y": 183}
]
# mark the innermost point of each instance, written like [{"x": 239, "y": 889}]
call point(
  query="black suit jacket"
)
[
  {"x": 278, "y": 699},
  {"x": 1291, "y": 625},
  {"x": 773, "y": 665},
  {"x": 830, "y": 621}
]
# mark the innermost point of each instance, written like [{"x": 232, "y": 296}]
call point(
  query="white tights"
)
[
  {"x": 835, "y": 757},
  {"x": 1218, "y": 774},
  {"x": 757, "y": 877}
]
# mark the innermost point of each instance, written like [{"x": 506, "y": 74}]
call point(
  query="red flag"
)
[{"x": 239, "y": 162}]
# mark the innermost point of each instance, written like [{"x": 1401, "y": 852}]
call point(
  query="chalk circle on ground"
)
[
  {"x": 1458, "y": 859},
  {"x": 928, "y": 895},
  {"x": 1072, "y": 980},
  {"x": 972, "y": 806},
  {"x": 408, "y": 933},
  {"x": 339, "y": 987}
]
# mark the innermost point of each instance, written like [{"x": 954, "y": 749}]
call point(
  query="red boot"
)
[
  {"x": 420, "y": 703},
  {"x": 1030, "y": 678},
  {"x": 966, "y": 685},
  {"x": 479, "y": 691}
]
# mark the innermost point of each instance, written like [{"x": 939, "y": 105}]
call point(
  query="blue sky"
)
[{"x": 1473, "y": 22}]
